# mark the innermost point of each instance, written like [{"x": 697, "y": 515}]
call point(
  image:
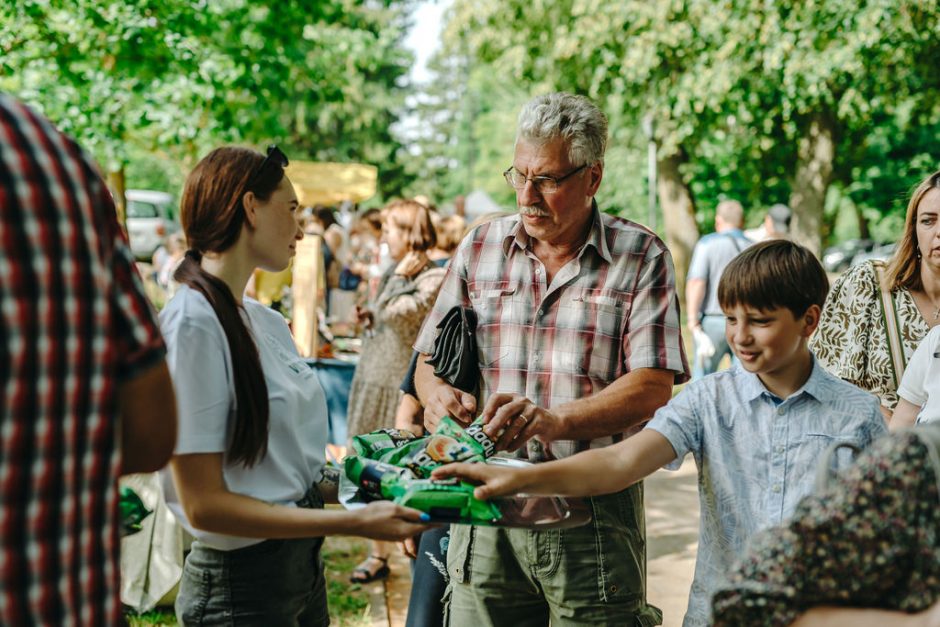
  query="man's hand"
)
[
  {"x": 511, "y": 420},
  {"x": 449, "y": 401},
  {"x": 494, "y": 480}
]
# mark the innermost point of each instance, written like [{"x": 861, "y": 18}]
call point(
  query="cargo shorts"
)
[{"x": 594, "y": 574}]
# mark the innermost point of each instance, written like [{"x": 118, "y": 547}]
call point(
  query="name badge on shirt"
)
[{"x": 294, "y": 362}]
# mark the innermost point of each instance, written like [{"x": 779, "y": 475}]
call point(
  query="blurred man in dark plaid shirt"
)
[
  {"x": 84, "y": 389},
  {"x": 579, "y": 344}
]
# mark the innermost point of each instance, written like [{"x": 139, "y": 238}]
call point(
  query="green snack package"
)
[
  {"x": 374, "y": 444},
  {"x": 133, "y": 511},
  {"x": 450, "y": 443},
  {"x": 446, "y": 501},
  {"x": 371, "y": 475}
]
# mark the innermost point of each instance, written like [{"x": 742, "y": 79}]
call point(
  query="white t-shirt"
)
[
  {"x": 921, "y": 382},
  {"x": 201, "y": 366}
]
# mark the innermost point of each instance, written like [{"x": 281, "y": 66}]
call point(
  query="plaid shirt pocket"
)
[{"x": 589, "y": 330}]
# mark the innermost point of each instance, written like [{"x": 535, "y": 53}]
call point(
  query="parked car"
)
[
  {"x": 882, "y": 252},
  {"x": 839, "y": 257},
  {"x": 150, "y": 218}
]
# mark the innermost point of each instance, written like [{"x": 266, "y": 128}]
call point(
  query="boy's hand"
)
[
  {"x": 494, "y": 480},
  {"x": 511, "y": 420}
]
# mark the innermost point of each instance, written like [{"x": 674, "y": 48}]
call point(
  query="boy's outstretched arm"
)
[{"x": 599, "y": 471}]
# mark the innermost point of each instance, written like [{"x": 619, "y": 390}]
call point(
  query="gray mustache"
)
[{"x": 533, "y": 212}]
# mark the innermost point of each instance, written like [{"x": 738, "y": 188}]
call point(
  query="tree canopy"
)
[
  {"x": 763, "y": 101},
  {"x": 176, "y": 77}
]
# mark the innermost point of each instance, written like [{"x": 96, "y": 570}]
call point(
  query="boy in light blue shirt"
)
[{"x": 756, "y": 431}]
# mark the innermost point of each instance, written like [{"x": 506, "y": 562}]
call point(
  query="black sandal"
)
[{"x": 362, "y": 574}]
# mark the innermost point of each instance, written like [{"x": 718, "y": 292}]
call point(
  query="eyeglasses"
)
[
  {"x": 275, "y": 156},
  {"x": 542, "y": 184}
]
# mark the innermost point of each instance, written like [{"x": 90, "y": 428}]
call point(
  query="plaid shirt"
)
[
  {"x": 607, "y": 312},
  {"x": 73, "y": 321}
]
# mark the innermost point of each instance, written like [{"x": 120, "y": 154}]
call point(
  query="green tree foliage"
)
[
  {"x": 763, "y": 101},
  {"x": 176, "y": 77}
]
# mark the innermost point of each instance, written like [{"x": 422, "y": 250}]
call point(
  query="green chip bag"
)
[
  {"x": 448, "y": 500},
  {"x": 450, "y": 443},
  {"x": 133, "y": 511}
]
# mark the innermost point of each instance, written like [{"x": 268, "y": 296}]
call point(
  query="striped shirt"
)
[
  {"x": 609, "y": 311},
  {"x": 73, "y": 321}
]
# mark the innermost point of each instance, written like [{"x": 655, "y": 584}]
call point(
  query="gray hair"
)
[{"x": 575, "y": 119}]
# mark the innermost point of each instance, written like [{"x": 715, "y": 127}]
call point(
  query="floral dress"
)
[
  {"x": 851, "y": 341},
  {"x": 399, "y": 310},
  {"x": 871, "y": 540}
]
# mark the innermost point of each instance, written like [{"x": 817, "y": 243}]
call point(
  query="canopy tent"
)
[{"x": 332, "y": 183}]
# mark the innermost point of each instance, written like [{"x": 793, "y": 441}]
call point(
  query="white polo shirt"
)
[{"x": 200, "y": 363}]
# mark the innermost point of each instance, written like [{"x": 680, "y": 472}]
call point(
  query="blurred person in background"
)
[
  {"x": 712, "y": 254},
  {"x": 877, "y": 313},
  {"x": 450, "y": 230},
  {"x": 175, "y": 249},
  {"x": 776, "y": 225},
  {"x": 370, "y": 258},
  {"x": 429, "y": 550},
  {"x": 87, "y": 394},
  {"x": 405, "y": 296}
]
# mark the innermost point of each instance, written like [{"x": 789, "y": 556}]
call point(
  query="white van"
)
[{"x": 150, "y": 218}]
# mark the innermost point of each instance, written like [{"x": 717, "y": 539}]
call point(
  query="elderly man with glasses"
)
[{"x": 579, "y": 343}]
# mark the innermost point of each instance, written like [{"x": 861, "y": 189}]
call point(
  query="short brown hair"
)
[
  {"x": 904, "y": 266},
  {"x": 450, "y": 231},
  {"x": 773, "y": 274},
  {"x": 414, "y": 219}
]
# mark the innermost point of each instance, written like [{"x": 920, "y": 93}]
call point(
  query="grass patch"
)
[
  {"x": 349, "y": 603},
  {"x": 158, "y": 617}
]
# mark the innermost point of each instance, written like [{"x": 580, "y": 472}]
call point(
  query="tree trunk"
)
[
  {"x": 815, "y": 155},
  {"x": 117, "y": 184},
  {"x": 675, "y": 198},
  {"x": 864, "y": 232}
]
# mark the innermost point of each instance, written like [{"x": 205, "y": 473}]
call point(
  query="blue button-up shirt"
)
[{"x": 756, "y": 456}]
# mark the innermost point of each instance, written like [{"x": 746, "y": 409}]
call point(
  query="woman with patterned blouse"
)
[
  {"x": 865, "y": 551},
  {"x": 406, "y": 294},
  {"x": 852, "y": 339}
]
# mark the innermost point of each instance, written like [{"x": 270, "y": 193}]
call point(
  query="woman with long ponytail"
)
[{"x": 244, "y": 478}]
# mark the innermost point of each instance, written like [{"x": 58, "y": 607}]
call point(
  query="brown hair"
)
[
  {"x": 772, "y": 274},
  {"x": 904, "y": 266},
  {"x": 212, "y": 214},
  {"x": 450, "y": 231},
  {"x": 414, "y": 220},
  {"x": 372, "y": 217}
]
